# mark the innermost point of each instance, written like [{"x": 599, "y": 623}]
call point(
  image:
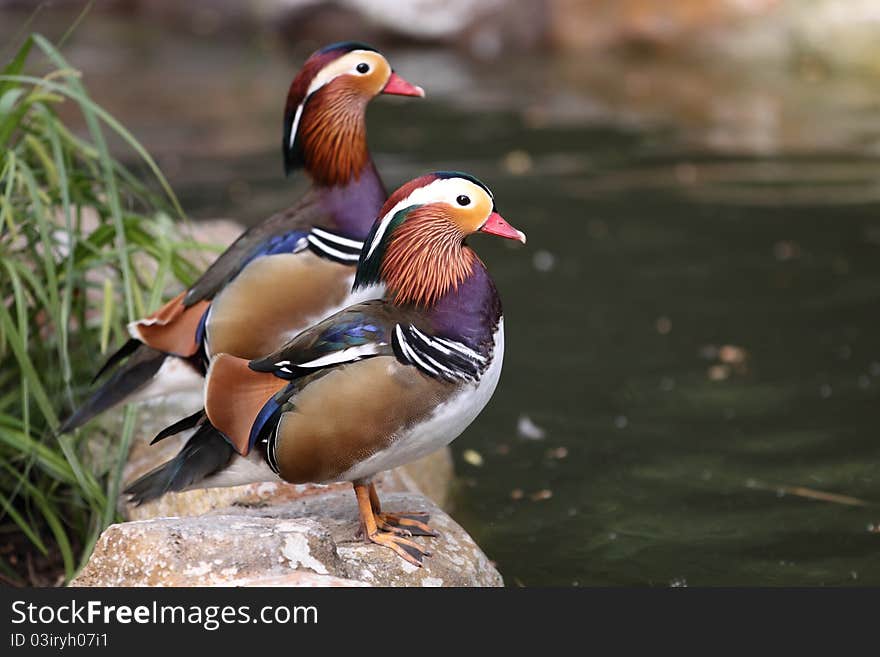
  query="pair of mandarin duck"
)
[{"x": 349, "y": 334}]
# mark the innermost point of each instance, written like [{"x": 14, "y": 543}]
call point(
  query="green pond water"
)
[{"x": 692, "y": 327}]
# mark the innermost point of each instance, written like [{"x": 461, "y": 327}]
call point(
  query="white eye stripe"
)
[
  {"x": 339, "y": 67},
  {"x": 443, "y": 190},
  {"x": 325, "y": 76}
]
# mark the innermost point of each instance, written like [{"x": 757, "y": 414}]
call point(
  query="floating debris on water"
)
[
  {"x": 718, "y": 372},
  {"x": 557, "y": 452},
  {"x": 518, "y": 162},
  {"x": 730, "y": 358},
  {"x": 678, "y": 583},
  {"x": 786, "y": 250},
  {"x": 667, "y": 384},
  {"x": 544, "y": 494},
  {"x": 528, "y": 429},
  {"x": 732, "y": 354},
  {"x": 808, "y": 493},
  {"x": 472, "y": 457},
  {"x": 825, "y": 391},
  {"x": 543, "y": 260},
  {"x": 621, "y": 422},
  {"x": 503, "y": 449},
  {"x": 517, "y": 494},
  {"x": 663, "y": 325}
]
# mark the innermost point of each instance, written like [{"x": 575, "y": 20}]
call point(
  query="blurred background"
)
[{"x": 691, "y": 382}]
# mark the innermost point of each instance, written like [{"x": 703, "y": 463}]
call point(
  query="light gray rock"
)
[{"x": 309, "y": 541}]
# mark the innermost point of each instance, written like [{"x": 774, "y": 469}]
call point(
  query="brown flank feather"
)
[
  {"x": 172, "y": 328},
  {"x": 251, "y": 325},
  {"x": 426, "y": 257},
  {"x": 333, "y": 134},
  {"x": 234, "y": 396}
]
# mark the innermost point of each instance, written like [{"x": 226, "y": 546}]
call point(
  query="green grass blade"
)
[{"x": 23, "y": 524}]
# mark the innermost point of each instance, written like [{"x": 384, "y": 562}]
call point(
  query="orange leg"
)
[
  {"x": 406, "y": 524},
  {"x": 404, "y": 547}
]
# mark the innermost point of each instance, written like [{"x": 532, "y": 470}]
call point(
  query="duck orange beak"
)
[
  {"x": 496, "y": 225},
  {"x": 397, "y": 86}
]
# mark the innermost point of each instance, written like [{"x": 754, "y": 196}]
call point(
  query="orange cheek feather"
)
[
  {"x": 334, "y": 136},
  {"x": 470, "y": 218},
  {"x": 425, "y": 257}
]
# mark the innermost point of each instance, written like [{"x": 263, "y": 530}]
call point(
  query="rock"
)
[
  {"x": 485, "y": 28},
  {"x": 602, "y": 24},
  {"x": 298, "y": 578},
  {"x": 309, "y": 541}
]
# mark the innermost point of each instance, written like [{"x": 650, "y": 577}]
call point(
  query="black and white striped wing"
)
[
  {"x": 334, "y": 247},
  {"x": 438, "y": 357}
]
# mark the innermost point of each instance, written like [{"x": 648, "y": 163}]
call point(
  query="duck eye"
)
[
  {"x": 363, "y": 67},
  {"x": 463, "y": 200}
]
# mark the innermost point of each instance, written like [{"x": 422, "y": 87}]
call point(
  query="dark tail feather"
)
[
  {"x": 181, "y": 425},
  {"x": 142, "y": 365},
  {"x": 203, "y": 455},
  {"x": 124, "y": 351}
]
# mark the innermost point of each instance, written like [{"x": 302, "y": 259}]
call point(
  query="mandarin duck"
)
[
  {"x": 311, "y": 248},
  {"x": 376, "y": 385}
]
